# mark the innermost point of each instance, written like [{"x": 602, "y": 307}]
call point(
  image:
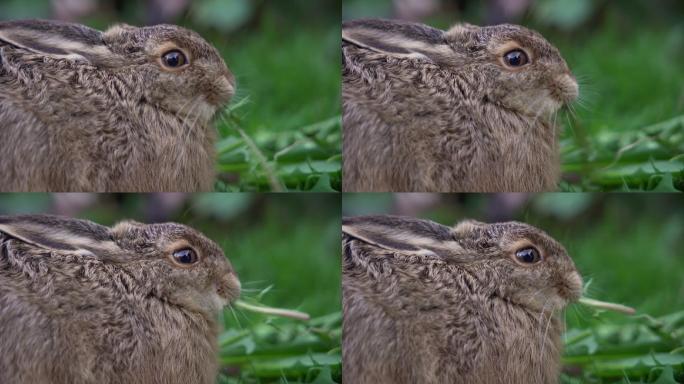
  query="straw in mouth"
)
[
  {"x": 608, "y": 306},
  {"x": 272, "y": 311}
]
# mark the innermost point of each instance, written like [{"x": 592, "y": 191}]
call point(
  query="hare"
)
[
  {"x": 477, "y": 303},
  {"x": 467, "y": 110},
  {"x": 129, "y": 109},
  {"x": 83, "y": 303}
]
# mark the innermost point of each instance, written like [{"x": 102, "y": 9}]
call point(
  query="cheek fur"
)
[{"x": 525, "y": 92}]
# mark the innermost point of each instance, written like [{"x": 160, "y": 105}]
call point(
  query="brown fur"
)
[
  {"x": 425, "y": 303},
  {"x": 82, "y": 303},
  {"x": 83, "y": 110},
  {"x": 429, "y": 110}
]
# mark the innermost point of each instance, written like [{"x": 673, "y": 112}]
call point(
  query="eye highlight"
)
[
  {"x": 515, "y": 58},
  {"x": 528, "y": 255},
  {"x": 174, "y": 59},
  {"x": 185, "y": 257}
]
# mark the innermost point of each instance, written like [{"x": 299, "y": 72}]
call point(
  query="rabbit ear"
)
[
  {"x": 56, "y": 39},
  {"x": 399, "y": 39},
  {"x": 400, "y": 234},
  {"x": 59, "y": 233}
]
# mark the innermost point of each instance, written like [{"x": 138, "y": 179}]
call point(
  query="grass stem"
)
[
  {"x": 608, "y": 306},
  {"x": 272, "y": 311}
]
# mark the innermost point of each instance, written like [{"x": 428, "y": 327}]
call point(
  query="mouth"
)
[
  {"x": 228, "y": 289},
  {"x": 222, "y": 92},
  {"x": 565, "y": 89},
  {"x": 570, "y": 289}
]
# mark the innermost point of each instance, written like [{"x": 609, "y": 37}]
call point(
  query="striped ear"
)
[
  {"x": 399, "y": 39},
  {"x": 400, "y": 234},
  {"x": 56, "y": 39},
  {"x": 59, "y": 233}
]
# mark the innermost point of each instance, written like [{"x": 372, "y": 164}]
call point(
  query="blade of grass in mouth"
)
[
  {"x": 608, "y": 306},
  {"x": 272, "y": 311}
]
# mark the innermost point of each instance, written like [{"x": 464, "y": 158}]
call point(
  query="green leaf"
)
[
  {"x": 323, "y": 184},
  {"x": 666, "y": 376},
  {"x": 666, "y": 184},
  {"x": 324, "y": 376}
]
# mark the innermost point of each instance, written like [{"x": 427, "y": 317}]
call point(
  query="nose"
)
[
  {"x": 568, "y": 87},
  {"x": 228, "y": 83},
  {"x": 229, "y": 287},
  {"x": 230, "y": 78},
  {"x": 235, "y": 281},
  {"x": 574, "y": 285}
]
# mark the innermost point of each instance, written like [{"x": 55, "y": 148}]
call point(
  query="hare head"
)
[
  {"x": 195, "y": 273},
  {"x": 178, "y": 264},
  {"x": 178, "y": 65},
  {"x": 513, "y": 66},
  {"x": 175, "y": 67},
  {"x": 515, "y": 261}
]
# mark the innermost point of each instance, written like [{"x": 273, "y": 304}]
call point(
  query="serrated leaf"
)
[
  {"x": 666, "y": 376},
  {"x": 666, "y": 184},
  {"x": 324, "y": 376},
  {"x": 323, "y": 184}
]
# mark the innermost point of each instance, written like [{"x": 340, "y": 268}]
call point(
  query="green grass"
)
[
  {"x": 631, "y": 257},
  {"x": 646, "y": 349},
  {"x": 283, "y": 130},
  {"x": 628, "y": 130},
  {"x": 287, "y": 254},
  {"x": 278, "y": 350}
]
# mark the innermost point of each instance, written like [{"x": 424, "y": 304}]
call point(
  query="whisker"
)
[
  {"x": 232, "y": 310},
  {"x": 190, "y": 127},
  {"x": 180, "y": 110},
  {"x": 548, "y": 324},
  {"x": 190, "y": 110},
  {"x": 241, "y": 312},
  {"x": 541, "y": 339}
]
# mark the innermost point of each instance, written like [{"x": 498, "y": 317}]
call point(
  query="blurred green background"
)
[
  {"x": 629, "y": 248},
  {"x": 282, "y": 129},
  {"x": 627, "y": 129},
  {"x": 285, "y": 249}
]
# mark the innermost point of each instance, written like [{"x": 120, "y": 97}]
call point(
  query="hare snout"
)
[
  {"x": 228, "y": 288},
  {"x": 565, "y": 88},
  {"x": 222, "y": 91},
  {"x": 570, "y": 286}
]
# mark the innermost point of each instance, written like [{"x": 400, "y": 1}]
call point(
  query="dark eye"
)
[
  {"x": 516, "y": 58},
  {"x": 185, "y": 256},
  {"x": 174, "y": 59},
  {"x": 528, "y": 256}
]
